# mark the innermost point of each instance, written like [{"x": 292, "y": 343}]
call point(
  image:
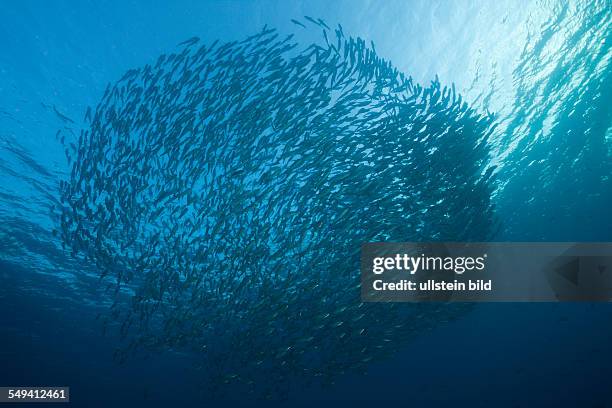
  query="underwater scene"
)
[{"x": 185, "y": 187}]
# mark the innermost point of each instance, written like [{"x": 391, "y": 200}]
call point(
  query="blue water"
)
[{"x": 542, "y": 68}]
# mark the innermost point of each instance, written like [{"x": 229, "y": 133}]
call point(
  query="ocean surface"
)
[{"x": 181, "y": 218}]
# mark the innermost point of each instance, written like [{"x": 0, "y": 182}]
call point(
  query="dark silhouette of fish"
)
[
  {"x": 62, "y": 116},
  {"x": 190, "y": 41},
  {"x": 297, "y": 23},
  {"x": 229, "y": 188}
]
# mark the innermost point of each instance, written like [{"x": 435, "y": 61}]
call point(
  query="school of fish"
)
[{"x": 223, "y": 193}]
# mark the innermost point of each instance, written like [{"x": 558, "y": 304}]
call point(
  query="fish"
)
[
  {"x": 298, "y": 23},
  {"x": 190, "y": 41},
  {"x": 61, "y": 115},
  {"x": 223, "y": 194}
]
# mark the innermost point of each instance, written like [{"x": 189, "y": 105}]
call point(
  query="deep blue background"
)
[{"x": 65, "y": 53}]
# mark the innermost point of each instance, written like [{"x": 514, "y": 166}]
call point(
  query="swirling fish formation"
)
[{"x": 225, "y": 191}]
